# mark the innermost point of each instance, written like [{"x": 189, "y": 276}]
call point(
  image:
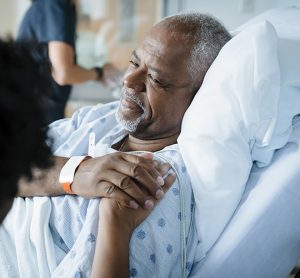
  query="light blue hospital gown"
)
[{"x": 156, "y": 244}]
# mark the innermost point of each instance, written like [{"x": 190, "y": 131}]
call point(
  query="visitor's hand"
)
[
  {"x": 129, "y": 179},
  {"x": 114, "y": 214},
  {"x": 112, "y": 77}
]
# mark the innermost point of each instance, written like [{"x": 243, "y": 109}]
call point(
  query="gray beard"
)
[{"x": 130, "y": 125}]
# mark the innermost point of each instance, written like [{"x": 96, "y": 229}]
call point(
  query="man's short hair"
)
[
  {"x": 23, "y": 81},
  {"x": 205, "y": 33}
]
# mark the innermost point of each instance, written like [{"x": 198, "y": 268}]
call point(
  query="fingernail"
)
[
  {"x": 160, "y": 181},
  {"x": 149, "y": 204},
  {"x": 148, "y": 156},
  {"x": 133, "y": 204},
  {"x": 159, "y": 194}
]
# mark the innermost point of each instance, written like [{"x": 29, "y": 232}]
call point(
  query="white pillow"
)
[
  {"x": 235, "y": 107},
  {"x": 286, "y": 22}
]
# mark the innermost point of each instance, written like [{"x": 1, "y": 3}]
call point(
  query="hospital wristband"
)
[{"x": 67, "y": 172}]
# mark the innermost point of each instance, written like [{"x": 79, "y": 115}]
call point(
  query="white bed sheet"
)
[{"x": 263, "y": 237}]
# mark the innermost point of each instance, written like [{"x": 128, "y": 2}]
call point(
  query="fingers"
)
[
  {"x": 162, "y": 168},
  {"x": 155, "y": 168},
  {"x": 169, "y": 180},
  {"x": 144, "y": 172},
  {"x": 125, "y": 176},
  {"x": 126, "y": 184},
  {"x": 144, "y": 160},
  {"x": 145, "y": 155},
  {"x": 109, "y": 190}
]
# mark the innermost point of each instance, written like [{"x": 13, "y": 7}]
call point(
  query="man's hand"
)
[
  {"x": 115, "y": 214},
  {"x": 131, "y": 180},
  {"x": 116, "y": 224}
]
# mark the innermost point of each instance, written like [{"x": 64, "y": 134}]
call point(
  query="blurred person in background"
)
[{"x": 52, "y": 24}]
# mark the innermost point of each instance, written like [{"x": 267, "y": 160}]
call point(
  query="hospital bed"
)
[{"x": 263, "y": 237}]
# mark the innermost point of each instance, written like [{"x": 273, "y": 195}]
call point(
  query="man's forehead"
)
[
  {"x": 163, "y": 52},
  {"x": 163, "y": 42}
]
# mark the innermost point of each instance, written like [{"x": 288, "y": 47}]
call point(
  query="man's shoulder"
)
[
  {"x": 98, "y": 117},
  {"x": 97, "y": 112},
  {"x": 170, "y": 154},
  {"x": 169, "y": 150}
]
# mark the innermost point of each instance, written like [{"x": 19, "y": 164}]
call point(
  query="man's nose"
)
[{"x": 135, "y": 80}]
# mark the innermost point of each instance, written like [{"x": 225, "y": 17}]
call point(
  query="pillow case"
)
[
  {"x": 286, "y": 22},
  {"x": 235, "y": 107}
]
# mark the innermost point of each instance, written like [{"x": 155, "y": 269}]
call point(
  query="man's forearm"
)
[{"x": 44, "y": 182}]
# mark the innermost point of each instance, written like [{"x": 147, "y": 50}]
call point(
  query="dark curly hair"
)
[{"x": 23, "y": 132}]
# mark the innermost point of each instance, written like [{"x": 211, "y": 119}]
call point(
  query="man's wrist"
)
[{"x": 68, "y": 171}]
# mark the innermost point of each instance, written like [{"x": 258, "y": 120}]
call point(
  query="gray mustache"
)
[{"x": 126, "y": 92}]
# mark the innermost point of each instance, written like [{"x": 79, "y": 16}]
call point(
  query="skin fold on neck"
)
[{"x": 131, "y": 143}]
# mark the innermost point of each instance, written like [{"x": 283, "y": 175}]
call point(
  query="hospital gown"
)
[{"x": 164, "y": 245}]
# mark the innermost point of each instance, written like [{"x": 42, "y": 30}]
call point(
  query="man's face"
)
[{"x": 157, "y": 87}]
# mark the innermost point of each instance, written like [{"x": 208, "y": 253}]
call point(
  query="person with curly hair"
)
[{"x": 22, "y": 134}]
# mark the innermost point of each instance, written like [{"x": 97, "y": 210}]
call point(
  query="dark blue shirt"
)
[
  {"x": 49, "y": 20},
  {"x": 45, "y": 21}
]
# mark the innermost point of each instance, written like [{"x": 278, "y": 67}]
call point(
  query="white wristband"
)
[{"x": 67, "y": 172}]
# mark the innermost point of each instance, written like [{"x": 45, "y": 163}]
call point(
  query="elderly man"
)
[{"x": 164, "y": 74}]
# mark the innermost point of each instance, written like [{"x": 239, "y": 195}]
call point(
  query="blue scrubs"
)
[{"x": 45, "y": 21}]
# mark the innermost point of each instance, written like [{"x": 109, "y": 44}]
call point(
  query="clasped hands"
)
[
  {"x": 130, "y": 184},
  {"x": 133, "y": 180}
]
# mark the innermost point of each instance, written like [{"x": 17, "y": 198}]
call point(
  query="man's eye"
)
[
  {"x": 155, "y": 80},
  {"x": 134, "y": 63}
]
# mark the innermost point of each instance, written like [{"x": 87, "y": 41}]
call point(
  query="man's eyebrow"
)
[
  {"x": 135, "y": 55},
  {"x": 156, "y": 70}
]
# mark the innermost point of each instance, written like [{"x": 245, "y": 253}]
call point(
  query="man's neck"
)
[{"x": 131, "y": 143}]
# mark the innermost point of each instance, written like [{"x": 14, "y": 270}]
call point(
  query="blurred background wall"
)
[
  {"x": 235, "y": 12},
  {"x": 231, "y": 12},
  {"x": 108, "y": 30}
]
